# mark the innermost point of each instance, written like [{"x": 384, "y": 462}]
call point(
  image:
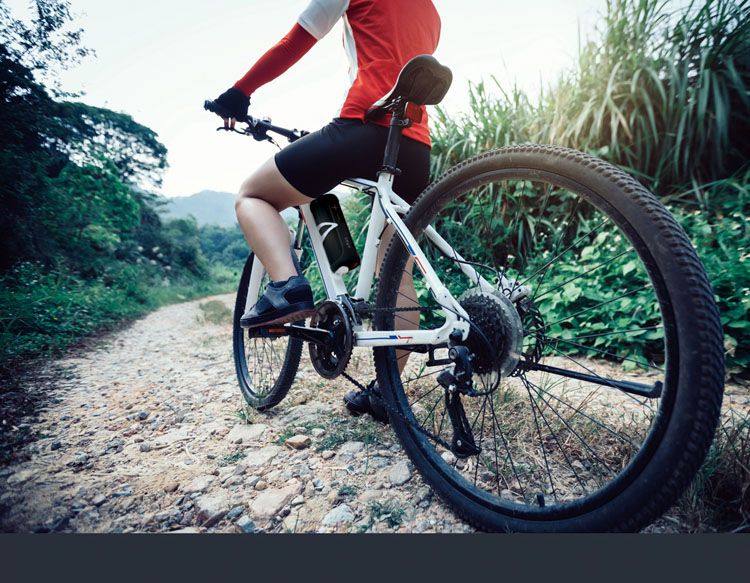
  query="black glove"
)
[{"x": 233, "y": 103}]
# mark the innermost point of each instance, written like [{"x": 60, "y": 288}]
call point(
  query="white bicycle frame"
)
[{"x": 386, "y": 207}]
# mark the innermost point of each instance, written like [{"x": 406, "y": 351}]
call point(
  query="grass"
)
[
  {"x": 288, "y": 433},
  {"x": 340, "y": 430},
  {"x": 233, "y": 458},
  {"x": 43, "y": 312},
  {"x": 387, "y": 512},
  {"x": 347, "y": 491},
  {"x": 215, "y": 311},
  {"x": 718, "y": 500},
  {"x": 246, "y": 414}
]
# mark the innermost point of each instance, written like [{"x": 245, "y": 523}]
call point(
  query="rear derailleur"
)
[{"x": 456, "y": 381}]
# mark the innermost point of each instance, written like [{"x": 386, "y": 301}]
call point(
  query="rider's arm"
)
[
  {"x": 313, "y": 24},
  {"x": 278, "y": 59}
]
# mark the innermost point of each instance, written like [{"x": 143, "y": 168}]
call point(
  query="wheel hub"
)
[{"x": 499, "y": 322}]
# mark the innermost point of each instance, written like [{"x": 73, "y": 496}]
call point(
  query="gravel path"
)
[{"x": 147, "y": 432}]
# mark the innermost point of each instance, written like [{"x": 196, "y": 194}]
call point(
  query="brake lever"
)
[
  {"x": 249, "y": 132},
  {"x": 222, "y": 128}
]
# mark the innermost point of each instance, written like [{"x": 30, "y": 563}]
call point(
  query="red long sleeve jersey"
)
[{"x": 380, "y": 37}]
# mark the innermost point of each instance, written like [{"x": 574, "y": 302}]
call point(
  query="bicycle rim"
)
[{"x": 563, "y": 444}]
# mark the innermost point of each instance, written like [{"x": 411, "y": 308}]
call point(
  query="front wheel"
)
[
  {"x": 595, "y": 345},
  {"x": 266, "y": 365}
]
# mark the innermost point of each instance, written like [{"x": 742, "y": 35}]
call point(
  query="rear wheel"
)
[
  {"x": 266, "y": 364},
  {"x": 596, "y": 348}
]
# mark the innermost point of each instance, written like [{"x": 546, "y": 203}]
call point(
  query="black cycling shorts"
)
[{"x": 349, "y": 148}]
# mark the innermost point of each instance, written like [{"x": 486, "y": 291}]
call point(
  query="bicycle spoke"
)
[
  {"x": 568, "y": 224},
  {"x": 599, "y": 378},
  {"x": 617, "y": 332},
  {"x": 507, "y": 450},
  {"x": 580, "y": 412},
  {"x": 534, "y": 409},
  {"x": 597, "y": 306},
  {"x": 574, "y": 432},
  {"x": 564, "y": 251},
  {"x": 579, "y": 276}
]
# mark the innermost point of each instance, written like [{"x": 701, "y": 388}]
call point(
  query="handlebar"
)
[{"x": 257, "y": 128}]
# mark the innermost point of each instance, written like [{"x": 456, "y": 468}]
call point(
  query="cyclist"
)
[{"x": 380, "y": 36}]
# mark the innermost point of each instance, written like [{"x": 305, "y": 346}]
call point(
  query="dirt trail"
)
[{"x": 146, "y": 434}]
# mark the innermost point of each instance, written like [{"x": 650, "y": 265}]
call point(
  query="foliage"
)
[
  {"x": 665, "y": 96},
  {"x": 43, "y": 310},
  {"x": 225, "y": 245},
  {"x": 45, "y": 44},
  {"x": 82, "y": 245},
  {"x": 716, "y": 218}
]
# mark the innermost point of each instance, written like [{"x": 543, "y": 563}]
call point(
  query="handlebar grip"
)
[{"x": 214, "y": 107}]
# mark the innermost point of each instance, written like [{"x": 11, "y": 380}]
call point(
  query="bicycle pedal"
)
[{"x": 270, "y": 332}]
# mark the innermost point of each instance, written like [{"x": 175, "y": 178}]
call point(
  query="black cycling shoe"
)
[
  {"x": 367, "y": 401},
  {"x": 283, "y": 301}
]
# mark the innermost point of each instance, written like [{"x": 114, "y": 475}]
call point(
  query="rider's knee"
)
[{"x": 256, "y": 189}]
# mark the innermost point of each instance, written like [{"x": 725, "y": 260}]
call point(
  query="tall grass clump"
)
[
  {"x": 664, "y": 95},
  {"x": 495, "y": 118}
]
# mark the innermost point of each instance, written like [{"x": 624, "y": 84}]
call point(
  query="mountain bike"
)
[{"x": 558, "y": 363}]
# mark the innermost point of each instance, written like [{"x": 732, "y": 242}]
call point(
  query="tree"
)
[{"x": 48, "y": 44}]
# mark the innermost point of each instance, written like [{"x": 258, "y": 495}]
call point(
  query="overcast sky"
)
[{"x": 157, "y": 60}]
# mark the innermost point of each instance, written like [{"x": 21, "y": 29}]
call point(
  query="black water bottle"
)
[{"x": 337, "y": 240}]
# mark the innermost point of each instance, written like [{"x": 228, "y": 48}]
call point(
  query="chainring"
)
[{"x": 331, "y": 360}]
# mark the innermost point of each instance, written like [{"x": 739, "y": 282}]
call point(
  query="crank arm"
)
[
  {"x": 650, "y": 391},
  {"x": 312, "y": 335}
]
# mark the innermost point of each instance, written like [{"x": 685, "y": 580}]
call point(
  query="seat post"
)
[{"x": 399, "y": 122}]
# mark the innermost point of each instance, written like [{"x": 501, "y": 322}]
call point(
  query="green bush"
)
[
  {"x": 717, "y": 220},
  {"x": 44, "y": 311}
]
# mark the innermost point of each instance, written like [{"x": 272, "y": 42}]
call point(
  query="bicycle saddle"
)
[{"x": 423, "y": 81}]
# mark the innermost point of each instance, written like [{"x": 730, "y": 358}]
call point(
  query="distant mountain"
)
[{"x": 208, "y": 207}]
